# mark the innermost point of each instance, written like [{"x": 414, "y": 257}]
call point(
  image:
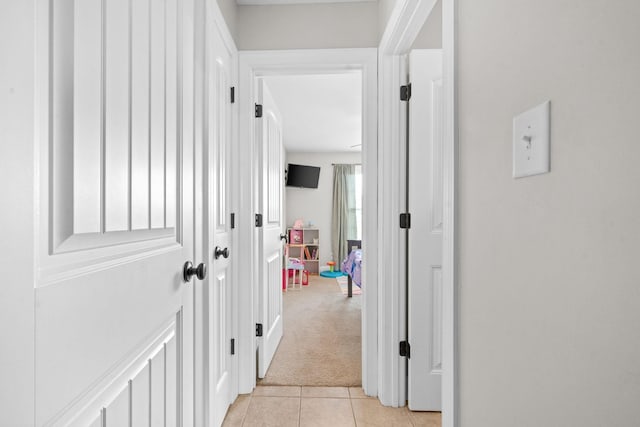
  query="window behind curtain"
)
[{"x": 355, "y": 203}]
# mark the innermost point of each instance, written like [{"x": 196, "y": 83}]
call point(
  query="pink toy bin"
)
[{"x": 295, "y": 237}]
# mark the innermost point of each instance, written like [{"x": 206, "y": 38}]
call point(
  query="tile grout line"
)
[
  {"x": 410, "y": 420},
  {"x": 353, "y": 412},
  {"x": 244, "y": 416}
]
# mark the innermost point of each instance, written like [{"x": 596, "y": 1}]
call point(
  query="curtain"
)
[{"x": 343, "y": 223}]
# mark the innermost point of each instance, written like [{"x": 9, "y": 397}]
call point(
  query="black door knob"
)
[
  {"x": 188, "y": 271},
  {"x": 218, "y": 251},
  {"x": 284, "y": 237}
]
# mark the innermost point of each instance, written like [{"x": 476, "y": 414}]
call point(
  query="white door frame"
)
[
  {"x": 450, "y": 254},
  {"x": 406, "y": 21},
  {"x": 254, "y": 64}
]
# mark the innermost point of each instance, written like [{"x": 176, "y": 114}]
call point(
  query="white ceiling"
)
[
  {"x": 319, "y": 112},
  {"x": 263, "y": 2}
]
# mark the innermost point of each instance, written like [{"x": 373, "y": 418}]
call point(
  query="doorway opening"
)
[
  {"x": 258, "y": 307},
  {"x": 320, "y": 116}
]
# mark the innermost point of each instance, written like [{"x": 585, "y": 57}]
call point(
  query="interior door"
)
[
  {"x": 425, "y": 191},
  {"x": 271, "y": 180},
  {"x": 114, "y": 315},
  {"x": 218, "y": 292}
]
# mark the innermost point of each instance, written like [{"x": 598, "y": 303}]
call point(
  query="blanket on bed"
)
[{"x": 352, "y": 265}]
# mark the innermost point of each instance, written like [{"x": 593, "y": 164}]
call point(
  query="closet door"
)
[
  {"x": 425, "y": 190},
  {"x": 114, "y": 313},
  {"x": 217, "y": 243}
]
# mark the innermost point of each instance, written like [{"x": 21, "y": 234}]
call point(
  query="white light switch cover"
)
[{"x": 531, "y": 136}]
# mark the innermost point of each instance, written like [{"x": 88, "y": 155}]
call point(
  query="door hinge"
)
[
  {"x": 405, "y": 349},
  {"x": 405, "y": 220},
  {"x": 258, "y": 329},
  {"x": 405, "y": 92},
  {"x": 233, "y": 220},
  {"x": 233, "y": 346},
  {"x": 258, "y": 220},
  {"x": 233, "y": 94},
  {"x": 258, "y": 110}
]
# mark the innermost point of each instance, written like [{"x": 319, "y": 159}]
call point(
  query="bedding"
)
[{"x": 352, "y": 265}]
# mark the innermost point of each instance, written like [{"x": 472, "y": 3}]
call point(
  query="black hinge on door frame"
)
[
  {"x": 233, "y": 220},
  {"x": 258, "y": 110},
  {"x": 258, "y": 329},
  {"x": 258, "y": 220},
  {"x": 233, "y": 346},
  {"x": 233, "y": 94},
  {"x": 405, "y": 220},
  {"x": 405, "y": 349},
  {"x": 405, "y": 92}
]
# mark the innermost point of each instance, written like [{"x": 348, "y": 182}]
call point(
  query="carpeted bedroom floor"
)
[{"x": 321, "y": 345}]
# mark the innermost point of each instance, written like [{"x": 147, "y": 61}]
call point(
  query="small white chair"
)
[
  {"x": 294, "y": 264},
  {"x": 299, "y": 267}
]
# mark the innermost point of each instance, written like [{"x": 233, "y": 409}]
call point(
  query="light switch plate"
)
[{"x": 531, "y": 141}]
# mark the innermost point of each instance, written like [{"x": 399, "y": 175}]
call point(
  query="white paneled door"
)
[
  {"x": 269, "y": 149},
  {"x": 113, "y": 315},
  {"x": 217, "y": 301},
  {"x": 425, "y": 191}
]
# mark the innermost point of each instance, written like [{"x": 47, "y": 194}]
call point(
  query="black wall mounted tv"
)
[{"x": 302, "y": 176}]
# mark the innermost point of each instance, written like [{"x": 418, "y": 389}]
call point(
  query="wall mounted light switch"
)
[{"x": 531, "y": 141}]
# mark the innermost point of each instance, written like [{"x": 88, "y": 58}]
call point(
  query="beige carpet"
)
[{"x": 321, "y": 345}]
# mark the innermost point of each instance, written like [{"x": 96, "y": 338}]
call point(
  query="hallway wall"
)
[
  {"x": 550, "y": 292},
  {"x": 430, "y": 36},
  {"x": 307, "y": 26},
  {"x": 229, "y": 10},
  {"x": 385, "y": 7}
]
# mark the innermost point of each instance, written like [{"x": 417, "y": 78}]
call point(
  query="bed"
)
[{"x": 352, "y": 265}]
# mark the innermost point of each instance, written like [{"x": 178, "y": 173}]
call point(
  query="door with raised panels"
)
[
  {"x": 114, "y": 312},
  {"x": 218, "y": 243},
  {"x": 270, "y": 182},
  {"x": 425, "y": 192}
]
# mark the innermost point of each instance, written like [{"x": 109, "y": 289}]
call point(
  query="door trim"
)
[
  {"x": 254, "y": 64},
  {"x": 407, "y": 18},
  {"x": 450, "y": 254}
]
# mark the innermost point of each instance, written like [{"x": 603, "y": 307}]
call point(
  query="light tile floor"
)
[{"x": 284, "y": 406}]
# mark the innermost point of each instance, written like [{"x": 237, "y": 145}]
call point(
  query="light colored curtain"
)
[{"x": 343, "y": 223}]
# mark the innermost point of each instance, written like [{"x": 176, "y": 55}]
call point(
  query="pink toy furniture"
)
[
  {"x": 295, "y": 236},
  {"x": 294, "y": 265}
]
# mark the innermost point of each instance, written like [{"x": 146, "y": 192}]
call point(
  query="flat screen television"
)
[{"x": 302, "y": 176}]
